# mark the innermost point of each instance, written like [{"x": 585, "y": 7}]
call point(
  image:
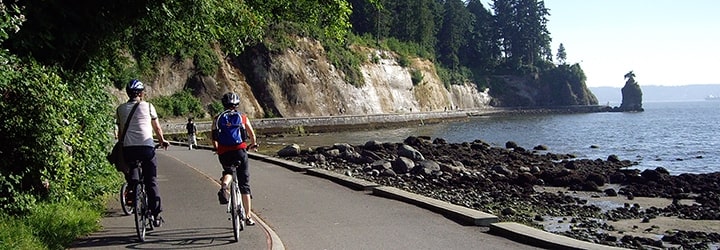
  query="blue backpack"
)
[{"x": 231, "y": 129}]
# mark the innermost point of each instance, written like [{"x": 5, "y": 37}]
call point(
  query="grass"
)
[
  {"x": 15, "y": 234},
  {"x": 49, "y": 226}
]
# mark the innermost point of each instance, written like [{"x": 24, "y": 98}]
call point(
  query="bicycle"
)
[
  {"x": 127, "y": 208},
  {"x": 143, "y": 216},
  {"x": 144, "y": 220},
  {"x": 235, "y": 207}
]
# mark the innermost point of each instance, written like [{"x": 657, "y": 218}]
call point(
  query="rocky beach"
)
[{"x": 605, "y": 201}]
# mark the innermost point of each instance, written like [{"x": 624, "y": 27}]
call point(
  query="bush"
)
[
  {"x": 179, "y": 104},
  {"x": 55, "y": 134},
  {"x": 416, "y": 76}
]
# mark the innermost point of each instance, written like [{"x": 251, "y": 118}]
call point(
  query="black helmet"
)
[
  {"x": 134, "y": 87},
  {"x": 230, "y": 100}
]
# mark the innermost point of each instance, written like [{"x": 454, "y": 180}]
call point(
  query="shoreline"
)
[
  {"x": 322, "y": 124},
  {"x": 601, "y": 201}
]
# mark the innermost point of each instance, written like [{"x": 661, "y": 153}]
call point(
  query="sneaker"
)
[
  {"x": 223, "y": 196},
  {"x": 158, "y": 221},
  {"x": 250, "y": 222}
]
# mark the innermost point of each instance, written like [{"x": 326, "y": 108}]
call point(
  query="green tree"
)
[
  {"x": 451, "y": 37},
  {"x": 630, "y": 76},
  {"x": 481, "y": 50},
  {"x": 561, "y": 54},
  {"x": 523, "y": 28}
]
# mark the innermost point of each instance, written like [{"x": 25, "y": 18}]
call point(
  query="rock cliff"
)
[{"x": 301, "y": 82}]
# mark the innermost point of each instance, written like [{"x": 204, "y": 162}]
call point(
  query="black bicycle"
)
[{"x": 143, "y": 216}]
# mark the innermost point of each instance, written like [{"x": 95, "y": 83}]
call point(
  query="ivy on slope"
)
[{"x": 54, "y": 133}]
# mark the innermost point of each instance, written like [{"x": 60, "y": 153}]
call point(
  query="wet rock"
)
[
  {"x": 289, "y": 151},
  {"x": 402, "y": 165},
  {"x": 410, "y": 152}
]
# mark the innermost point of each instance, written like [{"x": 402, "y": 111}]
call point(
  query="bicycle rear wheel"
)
[
  {"x": 235, "y": 210},
  {"x": 127, "y": 208},
  {"x": 140, "y": 212}
]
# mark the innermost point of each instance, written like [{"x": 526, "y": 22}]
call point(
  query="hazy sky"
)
[{"x": 664, "y": 42}]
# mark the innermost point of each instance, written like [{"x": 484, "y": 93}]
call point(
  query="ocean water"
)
[{"x": 683, "y": 137}]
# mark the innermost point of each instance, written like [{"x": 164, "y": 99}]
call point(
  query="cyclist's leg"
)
[
  {"x": 243, "y": 175},
  {"x": 132, "y": 157},
  {"x": 149, "y": 166},
  {"x": 226, "y": 160}
]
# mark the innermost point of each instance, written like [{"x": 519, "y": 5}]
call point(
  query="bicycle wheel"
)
[
  {"x": 140, "y": 212},
  {"x": 235, "y": 215},
  {"x": 127, "y": 208}
]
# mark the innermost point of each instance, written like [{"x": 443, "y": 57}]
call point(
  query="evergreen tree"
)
[
  {"x": 523, "y": 28},
  {"x": 561, "y": 54},
  {"x": 482, "y": 49},
  {"x": 451, "y": 37}
]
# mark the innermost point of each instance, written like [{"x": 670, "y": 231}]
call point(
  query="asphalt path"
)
[{"x": 295, "y": 211}]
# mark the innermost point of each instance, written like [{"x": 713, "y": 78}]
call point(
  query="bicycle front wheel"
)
[
  {"x": 140, "y": 212},
  {"x": 235, "y": 210},
  {"x": 127, "y": 208}
]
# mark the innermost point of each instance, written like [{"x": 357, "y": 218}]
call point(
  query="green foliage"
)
[
  {"x": 458, "y": 76},
  {"x": 269, "y": 113},
  {"x": 348, "y": 61},
  {"x": 183, "y": 27},
  {"x": 215, "y": 107},
  {"x": 565, "y": 85},
  {"x": 179, "y": 104},
  {"x": 77, "y": 219},
  {"x": 416, "y": 76},
  {"x": 15, "y": 234},
  {"x": 54, "y": 132},
  {"x": 206, "y": 61}
]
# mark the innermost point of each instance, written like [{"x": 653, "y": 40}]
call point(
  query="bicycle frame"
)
[
  {"x": 142, "y": 213},
  {"x": 235, "y": 206}
]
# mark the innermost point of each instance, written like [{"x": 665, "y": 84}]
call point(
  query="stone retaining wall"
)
[{"x": 335, "y": 123}]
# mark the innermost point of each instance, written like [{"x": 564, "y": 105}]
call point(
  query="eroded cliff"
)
[{"x": 302, "y": 82}]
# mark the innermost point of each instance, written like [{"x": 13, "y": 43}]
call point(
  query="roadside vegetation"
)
[{"x": 58, "y": 60}]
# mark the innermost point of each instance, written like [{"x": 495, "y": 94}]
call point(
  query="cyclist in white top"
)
[{"x": 138, "y": 144}]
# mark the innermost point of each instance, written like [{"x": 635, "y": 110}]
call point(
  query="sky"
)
[{"x": 665, "y": 43}]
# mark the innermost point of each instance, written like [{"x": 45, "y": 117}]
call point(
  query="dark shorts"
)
[{"x": 243, "y": 172}]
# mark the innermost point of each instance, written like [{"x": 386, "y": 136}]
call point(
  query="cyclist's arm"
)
[
  {"x": 251, "y": 133},
  {"x": 213, "y": 134},
  {"x": 158, "y": 131}
]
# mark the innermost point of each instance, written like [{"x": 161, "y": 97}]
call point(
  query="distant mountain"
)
[{"x": 613, "y": 95}]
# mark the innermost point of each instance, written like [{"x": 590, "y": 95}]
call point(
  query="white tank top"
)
[{"x": 140, "y": 132}]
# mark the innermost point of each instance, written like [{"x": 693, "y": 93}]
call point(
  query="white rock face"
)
[{"x": 302, "y": 83}]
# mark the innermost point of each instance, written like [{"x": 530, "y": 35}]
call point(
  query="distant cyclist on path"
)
[
  {"x": 138, "y": 144},
  {"x": 230, "y": 132}
]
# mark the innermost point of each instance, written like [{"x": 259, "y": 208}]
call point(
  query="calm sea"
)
[{"x": 683, "y": 137}]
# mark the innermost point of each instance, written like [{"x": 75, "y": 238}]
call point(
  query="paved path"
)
[{"x": 296, "y": 211}]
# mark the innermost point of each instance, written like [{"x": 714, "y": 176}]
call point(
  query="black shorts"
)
[{"x": 240, "y": 158}]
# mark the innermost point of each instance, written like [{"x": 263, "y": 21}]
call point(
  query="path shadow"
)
[{"x": 166, "y": 239}]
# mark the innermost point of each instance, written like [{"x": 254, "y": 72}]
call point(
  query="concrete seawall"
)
[{"x": 334, "y": 123}]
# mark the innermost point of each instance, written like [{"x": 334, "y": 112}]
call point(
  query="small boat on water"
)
[{"x": 712, "y": 98}]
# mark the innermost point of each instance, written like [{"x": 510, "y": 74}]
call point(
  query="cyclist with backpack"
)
[
  {"x": 230, "y": 132},
  {"x": 138, "y": 145}
]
